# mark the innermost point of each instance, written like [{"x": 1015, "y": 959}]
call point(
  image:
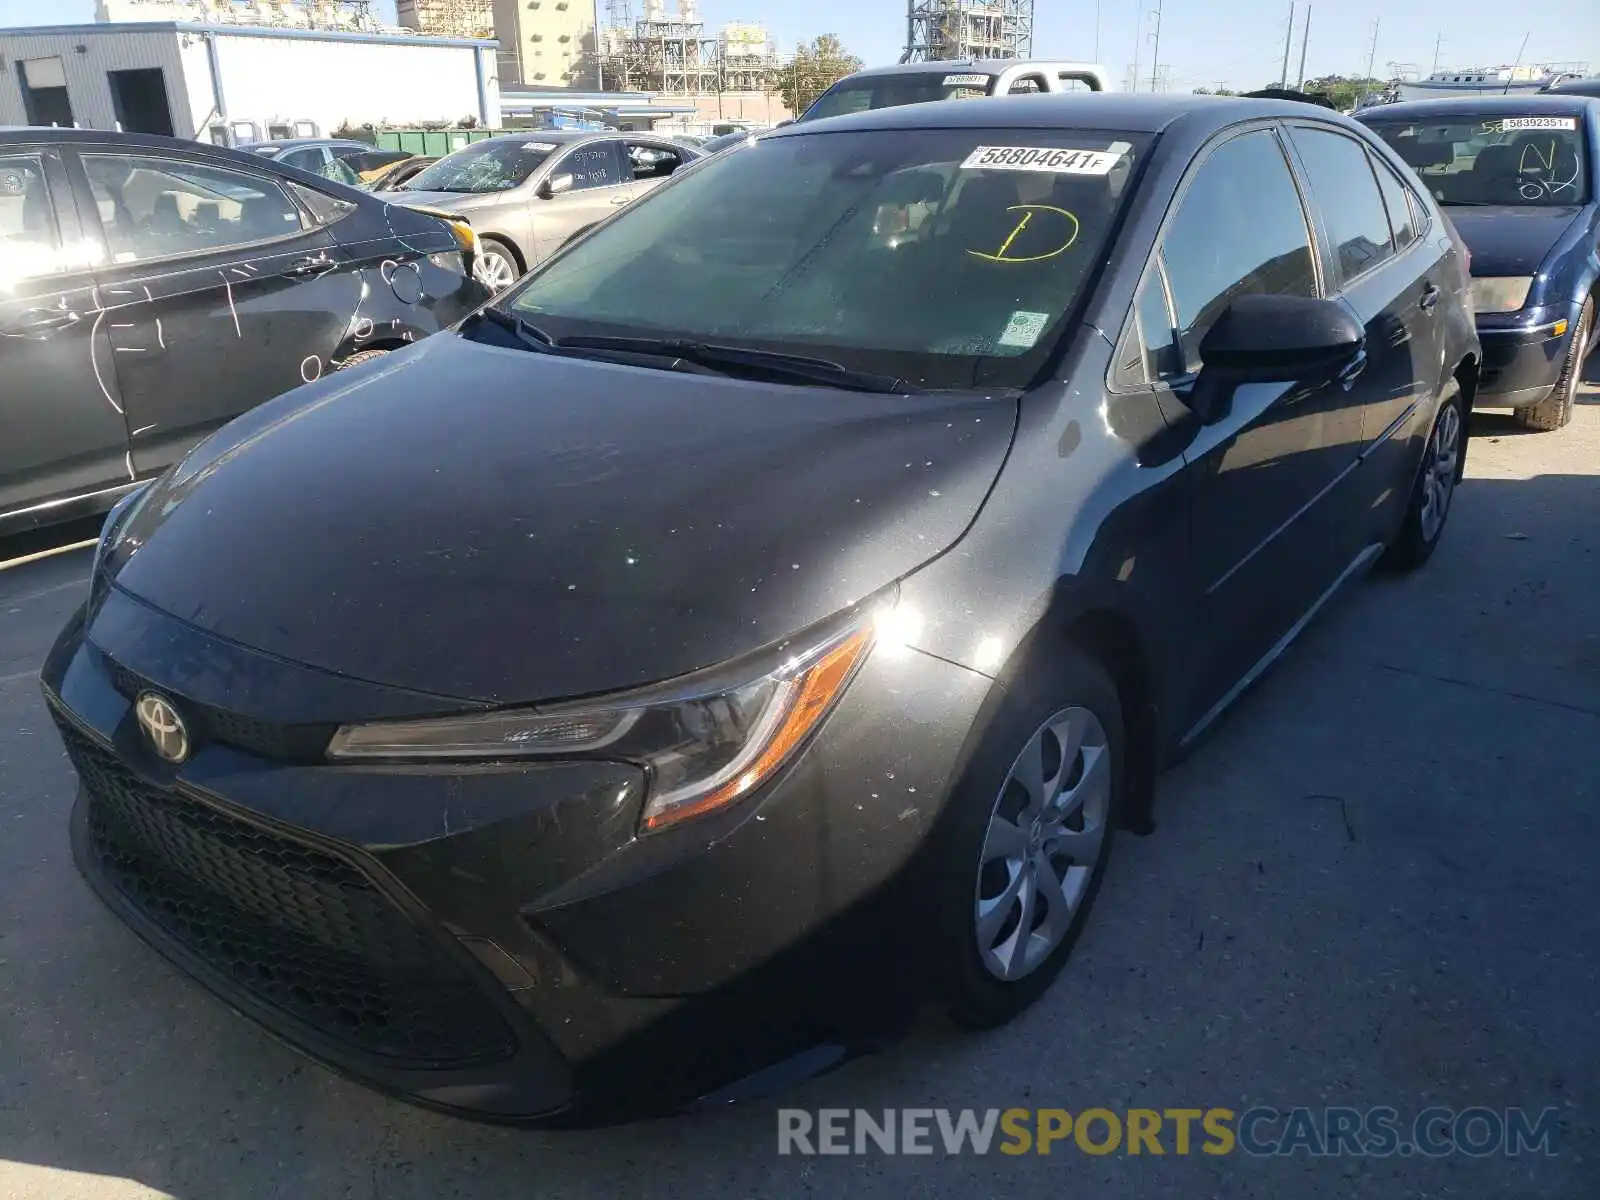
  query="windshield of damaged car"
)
[
  {"x": 490, "y": 166},
  {"x": 947, "y": 258},
  {"x": 1537, "y": 161}
]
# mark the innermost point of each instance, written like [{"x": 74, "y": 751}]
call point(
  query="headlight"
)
[
  {"x": 449, "y": 260},
  {"x": 707, "y": 740},
  {"x": 116, "y": 521},
  {"x": 1501, "y": 294}
]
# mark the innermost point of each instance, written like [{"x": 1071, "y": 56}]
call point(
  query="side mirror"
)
[
  {"x": 1274, "y": 339},
  {"x": 554, "y": 186},
  {"x": 781, "y": 124}
]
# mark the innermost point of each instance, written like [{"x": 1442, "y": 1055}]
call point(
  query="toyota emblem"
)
[{"x": 163, "y": 727}]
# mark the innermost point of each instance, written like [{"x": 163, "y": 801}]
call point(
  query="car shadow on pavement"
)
[{"x": 1371, "y": 884}]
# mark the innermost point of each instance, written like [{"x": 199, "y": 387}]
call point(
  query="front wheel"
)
[
  {"x": 1029, "y": 838},
  {"x": 1443, "y": 461},
  {"x": 1555, "y": 412},
  {"x": 496, "y": 267}
]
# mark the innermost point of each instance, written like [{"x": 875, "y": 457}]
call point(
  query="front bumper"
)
[
  {"x": 494, "y": 940},
  {"x": 1521, "y": 362}
]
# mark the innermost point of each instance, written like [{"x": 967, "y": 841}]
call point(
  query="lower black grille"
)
[{"x": 297, "y": 927}]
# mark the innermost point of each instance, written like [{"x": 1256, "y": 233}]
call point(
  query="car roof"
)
[
  {"x": 989, "y": 66},
  {"x": 295, "y": 143},
  {"x": 1538, "y": 104},
  {"x": 1117, "y": 111},
  {"x": 1576, "y": 87}
]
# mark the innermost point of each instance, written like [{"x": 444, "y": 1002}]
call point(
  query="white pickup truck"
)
[{"x": 919, "y": 82}]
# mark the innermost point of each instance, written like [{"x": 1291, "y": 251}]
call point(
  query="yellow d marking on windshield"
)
[{"x": 1004, "y": 254}]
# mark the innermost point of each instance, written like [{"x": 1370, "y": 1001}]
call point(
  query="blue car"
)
[{"x": 1519, "y": 177}]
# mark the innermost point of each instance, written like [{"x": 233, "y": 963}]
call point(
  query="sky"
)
[{"x": 1204, "y": 43}]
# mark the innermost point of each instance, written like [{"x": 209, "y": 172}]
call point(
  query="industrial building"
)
[
  {"x": 447, "y": 18},
  {"x": 726, "y": 77},
  {"x": 238, "y": 80},
  {"x": 940, "y": 30}
]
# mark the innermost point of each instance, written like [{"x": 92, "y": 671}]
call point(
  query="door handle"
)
[
  {"x": 1352, "y": 371},
  {"x": 309, "y": 266},
  {"x": 42, "y": 320},
  {"x": 1430, "y": 298}
]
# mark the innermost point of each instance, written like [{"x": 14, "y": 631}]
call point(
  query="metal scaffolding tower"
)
[{"x": 938, "y": 30}]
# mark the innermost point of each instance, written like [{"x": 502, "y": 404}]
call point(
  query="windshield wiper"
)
[
  {"x": 741, "y": 360},
  {"x": 528, "y": 334}
]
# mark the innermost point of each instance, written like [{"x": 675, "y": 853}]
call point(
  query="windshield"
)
[
  {"x": 947, "y": 258},
  {"x": 891, "y": 91},
  {"x": 491, "y": 166},
  {"x": 1533, "y": 160}
]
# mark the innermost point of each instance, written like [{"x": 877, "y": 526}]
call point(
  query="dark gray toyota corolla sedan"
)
[{"x": 759, "y": 619}]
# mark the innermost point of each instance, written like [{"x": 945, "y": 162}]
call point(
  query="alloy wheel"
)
[
  {"x": 496, "y": 271},
  {"x": 1043, "y": 843},
  {"x": 1439, "y": 471}
]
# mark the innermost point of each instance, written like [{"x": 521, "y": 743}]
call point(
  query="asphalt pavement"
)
[{"x": 1374, "y": 884}]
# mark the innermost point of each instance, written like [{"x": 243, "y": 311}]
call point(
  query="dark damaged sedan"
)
[
  {"x": 757, "y": 621},
  {"x": 153, "y": 289}
]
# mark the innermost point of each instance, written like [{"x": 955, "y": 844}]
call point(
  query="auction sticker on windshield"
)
[
  {"x": 1512, "y": 123},
  {"x": 966, "y": 81},
  {"x": 1043, "y": 158}
]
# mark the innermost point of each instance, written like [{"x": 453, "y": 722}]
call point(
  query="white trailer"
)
[{"x": 233, "y": 82}]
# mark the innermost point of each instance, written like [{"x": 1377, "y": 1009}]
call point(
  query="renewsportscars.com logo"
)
[{"x": 1317, "y": 1133}]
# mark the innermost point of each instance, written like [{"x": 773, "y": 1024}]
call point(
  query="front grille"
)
[
  {"x": 288, "y": 743},
  {"x": 295, "y": 926}
]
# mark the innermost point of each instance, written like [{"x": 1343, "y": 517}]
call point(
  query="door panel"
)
[
  {"x": 1387, "y": 292},
  {"x": 1264, "y": 532},
  {"x": 61, "y": 427},
  {"x": 601, "y": 185},
  {"x": 210, "y": 308}
]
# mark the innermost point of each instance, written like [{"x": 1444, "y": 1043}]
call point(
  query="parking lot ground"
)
[{"x": 1373, "y": 885}]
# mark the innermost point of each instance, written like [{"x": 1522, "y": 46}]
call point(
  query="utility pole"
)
[
  {"x": 1437, "y": 43},
  {"x": 1138, "y": 45},
  {"x": 1288, "y": 41},
  {"x": 1372, "y": 54},
  {"x": 1097, "y": 4},
  {"x": 1155, "y": 64},
  {"x": 1305, "y": 42}
]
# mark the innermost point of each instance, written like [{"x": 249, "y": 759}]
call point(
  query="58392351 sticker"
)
[
  {"x": 1046, "y": 159},
  {"x": 1512, "y": 124}
]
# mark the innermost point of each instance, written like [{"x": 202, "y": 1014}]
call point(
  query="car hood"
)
[
  {"x": 448, "y": 201},
  {"x": 494, "y": 524},
  {"x": 1510, "y": 241}
]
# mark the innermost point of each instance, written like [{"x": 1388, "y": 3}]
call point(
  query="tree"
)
[{"x": 816, "y": 67}]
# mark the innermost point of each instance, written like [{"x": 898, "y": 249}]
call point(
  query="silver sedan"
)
[{"x": 527, "y": 193}]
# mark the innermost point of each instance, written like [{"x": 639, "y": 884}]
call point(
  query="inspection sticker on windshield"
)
[
  {"x": 1510, "y": 123},
  {"x": 1024, "y": 328},
  {"x": 1044, "y": 158},
  {"x": 966, "y": 81},
  {"x": 542, "y": 147}
]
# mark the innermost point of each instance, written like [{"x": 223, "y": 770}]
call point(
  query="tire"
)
[
  {"x": 359, "y": 357},
  {"x": 972, "y": 877},
  {"x": 1444, "y": 459},
  {"x": 1556, "y": 411},
  {"x": 497, "y": 267}
]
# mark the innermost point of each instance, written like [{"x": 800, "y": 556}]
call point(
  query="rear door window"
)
[
  {"x": 1401, "y": 221},
  {"x": 1240, "y": 230},
  {"x": 1345, "y": 190},
  {"x": 651, "y": 160},
  {"x": 152, "y": 207}
]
